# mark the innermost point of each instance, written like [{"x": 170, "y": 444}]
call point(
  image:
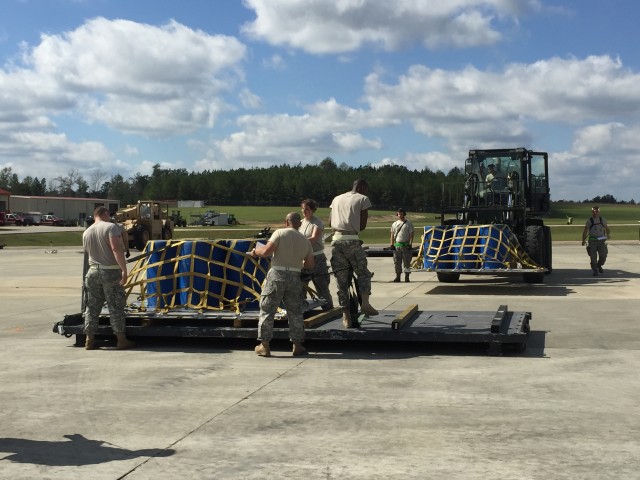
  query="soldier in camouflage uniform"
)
[
  {"x": 105, "y": 278},
  {"x": 291, "y": 252},
  {"x": 348, "y": 217},
  {"x": 401, "y": 238},
  {"x": 312, "y": 228},
  {"x": 596, "y": 231}
]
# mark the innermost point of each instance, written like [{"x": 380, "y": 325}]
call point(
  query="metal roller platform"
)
[{"x": 498, "y": 329}]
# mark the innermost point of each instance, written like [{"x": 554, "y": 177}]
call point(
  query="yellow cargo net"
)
[
  {"x": 471, "y": 247},
  {"x": 198, "y": 274}
]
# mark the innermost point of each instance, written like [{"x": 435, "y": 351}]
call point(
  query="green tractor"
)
[{"x": 177, "y": 219}]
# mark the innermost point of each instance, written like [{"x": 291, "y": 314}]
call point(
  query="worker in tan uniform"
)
[
  {"x": 348, "y": 217},
  {"x": 290, "y": 252}
]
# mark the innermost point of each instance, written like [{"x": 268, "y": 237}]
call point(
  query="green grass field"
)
[{"x": 623, "y": 220}]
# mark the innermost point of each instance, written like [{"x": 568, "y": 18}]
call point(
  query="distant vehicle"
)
[
  {"x": 31, "y": 218},
  {"x": 13, "y": 219},
  {"x": 146, "y": 220},
  {"x": 177, "y": 219},
  {"x": 212, "y": 218},
  {"x": 51, "y": 220}
]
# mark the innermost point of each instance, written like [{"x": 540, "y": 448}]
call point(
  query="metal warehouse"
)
[{"x": 67, "y": 208}]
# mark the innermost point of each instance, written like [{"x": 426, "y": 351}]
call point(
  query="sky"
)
[{"x": 105, "y": 87}]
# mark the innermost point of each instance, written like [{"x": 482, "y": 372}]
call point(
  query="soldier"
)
[
  {"x": 348, "y": 217},
  {"x": 597, "y": 230},
  {"x": 105, "y": 278},
  {"x": 291, "y": 252},
  {"x": 401, "y": 243},
  {"x": 312, "y": 228}
]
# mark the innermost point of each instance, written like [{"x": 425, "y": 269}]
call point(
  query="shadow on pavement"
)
[
  {"x": 75, "y": 451},
  {"x": 556, "y": 284}
]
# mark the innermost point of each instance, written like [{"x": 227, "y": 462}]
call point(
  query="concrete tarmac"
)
[{"x": 211, "y": 409}]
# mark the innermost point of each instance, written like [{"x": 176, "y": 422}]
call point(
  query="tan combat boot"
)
[
  {"x": 123, "y": 343},
  {"x": 367, "y": 309},
  {"x": 298, "y": 350},
  {"x": 263, "y": 349},
  {"x": 346, "y": 318},
  {"x": 90, "y": 343}
]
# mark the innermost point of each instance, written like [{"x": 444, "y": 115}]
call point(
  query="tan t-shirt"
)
[
  {"x": 95, "y": 240},
  {"x": 291, "y": 248},
  {"x": 306, "y": 228},
  {"x": 346, "y": 209}
]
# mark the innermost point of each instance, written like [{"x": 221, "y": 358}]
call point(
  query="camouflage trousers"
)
[
  {"x": 101, "y": 286},
  {"x": 281, "y": 287},
  {"x": 348, "y": 256},
  {"x": 598, "y": 251},
  {"x": 402, "y": 256},
  {"x": 321, "y": 279}
]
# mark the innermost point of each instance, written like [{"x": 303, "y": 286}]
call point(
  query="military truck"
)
[
  {"x": 506, "y": 191},
  {"x": 144, "y": 221}
]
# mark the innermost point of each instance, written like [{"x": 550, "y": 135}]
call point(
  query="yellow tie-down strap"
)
[
  {"x": 199, "y": 274},
  {"x": 471, "y": 247}
]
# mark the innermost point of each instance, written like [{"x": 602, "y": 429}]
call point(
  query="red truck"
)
[{"x": 51, "y": 220}]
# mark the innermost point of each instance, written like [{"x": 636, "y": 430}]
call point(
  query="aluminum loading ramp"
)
[{"x": 498, "y": 329}]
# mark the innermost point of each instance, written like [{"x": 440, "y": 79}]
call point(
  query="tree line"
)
[{"x": 390, "y": 186}]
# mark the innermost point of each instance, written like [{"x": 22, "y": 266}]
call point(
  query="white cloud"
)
[
  {"x": 141, "y": 78},
  {"x": 274, "y": 62},
  {"x": 131, "y": 151},
  {"x": 321, "y": 27},
  {"x": 327, "y": 129},
  {"x": 49, "y": 155},
  {"x": 496, "y": 107},
  {"x": 603, "y": 159},
  {"x": 248, "y": 99},
  {"x": 434, "y": 161},
  {"x": 131, "y": 77}
]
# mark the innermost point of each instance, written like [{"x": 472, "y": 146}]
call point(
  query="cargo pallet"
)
[{"x": 501, "y": 330}]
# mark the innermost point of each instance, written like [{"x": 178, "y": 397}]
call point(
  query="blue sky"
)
[{"x": 99, "y": 87}]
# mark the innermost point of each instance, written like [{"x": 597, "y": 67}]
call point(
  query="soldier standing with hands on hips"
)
[{"x": 401, "y": 244}]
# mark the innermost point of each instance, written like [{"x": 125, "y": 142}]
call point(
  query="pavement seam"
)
[{"x": 207, "y": 422}]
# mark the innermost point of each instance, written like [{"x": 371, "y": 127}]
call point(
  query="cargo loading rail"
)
[{"x": 502, "y": 328}]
